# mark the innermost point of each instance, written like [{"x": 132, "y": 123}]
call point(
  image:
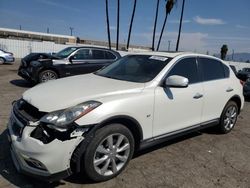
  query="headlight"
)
[{"x": 63, "y": 118}]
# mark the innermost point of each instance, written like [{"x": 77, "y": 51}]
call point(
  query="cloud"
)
[
  {"x": 58, "y": 5},
  {"x": 242, "y": 27},
  {"x": 112, "y": 28},
  {"x": 189, "y": 41},
  {"x": 208, "y": 21},
  {"x": 178, "y": 21},
  {"x": 195, "y": 41}
]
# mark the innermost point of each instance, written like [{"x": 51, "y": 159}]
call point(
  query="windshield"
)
[
  {"x": 65, "y": 52},
  {"x": 135, "y": 68}
]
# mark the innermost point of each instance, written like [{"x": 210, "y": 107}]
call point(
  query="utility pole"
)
[
  {"x": 169, "y": 42},
  {"x": 233, "y": 55},
  {"x": 118, "y": 24},
  {"x": 179, "y": 34},
  {"x": 71, "y": 30}
]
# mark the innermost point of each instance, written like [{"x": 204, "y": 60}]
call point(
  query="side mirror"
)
[
  {"x": 70, "y": 59},
  {"x": 176, "y": 81}
]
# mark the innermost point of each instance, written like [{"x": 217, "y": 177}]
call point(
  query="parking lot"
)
[{"x": 202, "y": 159}]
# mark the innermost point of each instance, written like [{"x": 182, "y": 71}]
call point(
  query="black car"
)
[
  {"x": 246, "y": 88},
  {"x": 244, "y": 74},
  {"x": 42, "y": 67}
]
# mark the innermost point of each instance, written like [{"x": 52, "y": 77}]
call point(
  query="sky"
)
[{"x": 207, "y": 24}]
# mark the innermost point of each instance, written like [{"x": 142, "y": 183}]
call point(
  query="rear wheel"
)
[
  {"x": 47, "y": 75},
  {"x": 2, "y": 60},
  {"x": 108, "y": 153},
  {"x": 229, "y": 117}
]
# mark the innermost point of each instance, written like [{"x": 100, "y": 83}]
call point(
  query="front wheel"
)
[
  {"x": 108, "y": 153},
  {"x": 47, "y": 75},
  {"x": 229, "y": 117},
  {"x": 2, "y": 60}
]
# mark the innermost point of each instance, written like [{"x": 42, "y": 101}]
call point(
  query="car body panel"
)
[
  {"x": 7, "y": 56},
  {"x": 92, "y": 87},
  {"x": 159, "y": 110},
  {"x": 34, "y": 63}
]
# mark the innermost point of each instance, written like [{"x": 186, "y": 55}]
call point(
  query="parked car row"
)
[
  {"x": 244, "y": 77},
  {"x": 6, "y": 57},
  {"x": 95, "y": 122},
  {"x": 40, "y": 67}
]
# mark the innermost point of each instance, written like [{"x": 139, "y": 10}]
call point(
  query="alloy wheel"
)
[
  {"x": 48, "y": 75},
  {"x": 111, "y": 154},
  {"x": 230, "y": 117}
]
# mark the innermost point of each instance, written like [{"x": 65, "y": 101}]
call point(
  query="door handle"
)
[
  {"x": 197, "y": 96},
  {"x": 229, "y": 89}
]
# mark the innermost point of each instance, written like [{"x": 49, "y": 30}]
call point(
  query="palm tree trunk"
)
[
  {"x": 179, "y": 34},
  {"x": 162, "y": 30},
  {"x": 156, "y": 17},
  {"x": 108, "y": 28},
  {"x": 118, "y": 24},
  {"x": 131, "y": 23}
]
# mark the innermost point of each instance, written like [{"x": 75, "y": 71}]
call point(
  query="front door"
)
[{"x": 179, "y": 108}]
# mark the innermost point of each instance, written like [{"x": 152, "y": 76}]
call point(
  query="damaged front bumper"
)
[{"x": 48, "y": 160}]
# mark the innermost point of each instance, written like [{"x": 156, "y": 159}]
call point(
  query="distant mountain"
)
[{"x": 242, "y": 57}]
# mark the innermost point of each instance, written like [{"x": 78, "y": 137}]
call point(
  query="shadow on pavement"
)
[
  {"x": 22, "y": 83},
  {"x": 9, "y": 173},
  {"x": 166, "y": 143}
]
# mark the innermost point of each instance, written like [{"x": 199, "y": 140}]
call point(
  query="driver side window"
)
[
  {"x": 82, "y": 54},
  {"x": 187, "y": 68}
]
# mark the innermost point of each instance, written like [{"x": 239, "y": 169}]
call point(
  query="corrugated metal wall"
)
[{"x": 21, "y": 48}]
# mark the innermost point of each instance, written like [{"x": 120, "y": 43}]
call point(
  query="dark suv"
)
[{"x": 42, "y": 67}]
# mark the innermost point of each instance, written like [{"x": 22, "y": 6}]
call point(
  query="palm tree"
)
[
  {"x": 169, "y": 6},
  {"x": 180, "y": 25},
  {"x": 108, "y": 28},
  {"x": 223, "y": 51},
  {"x": 131, "y": 23},
  {"x": 156, "y": 17},
  {"x": 118, "y": 24}
]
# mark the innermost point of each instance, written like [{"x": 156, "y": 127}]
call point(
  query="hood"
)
[
  {"x": 37, "y": 56},
  {"x": 66, "y": 92}
]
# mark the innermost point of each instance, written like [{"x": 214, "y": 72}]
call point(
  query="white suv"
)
[{"x": 95, "y": 122}]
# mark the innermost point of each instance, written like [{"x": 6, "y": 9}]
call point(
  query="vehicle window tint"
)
[
  {"x": 98, "y": 54},
  {"x": 212, "y": 69},
  {"x": 109, "y": 55},
  {"x": 226, "y": 71},
  {"x": 82, "y": 54},
  {"x": 186, "y": 67}
]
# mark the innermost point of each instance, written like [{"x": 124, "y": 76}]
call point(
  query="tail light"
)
[{"x": 242, "y": 82}]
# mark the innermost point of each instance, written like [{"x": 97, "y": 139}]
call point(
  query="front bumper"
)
[
  {"x": 9, "y": 59},
  {"x": 32, "y": 157},
  {"x": 24, "y": 74}
]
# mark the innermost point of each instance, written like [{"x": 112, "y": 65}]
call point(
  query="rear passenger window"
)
[
  {"x": 109, "y": 55},
  {"x": 98, "y": 54},
  {"x": 211, "y": 69},
  {"x": 186, "y": 67}
]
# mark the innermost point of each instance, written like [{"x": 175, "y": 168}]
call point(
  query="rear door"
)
[
  {"x": 101, "y": 58},
  {"x": 179, "y": 108},
  {"x": 217, "y": 88}
]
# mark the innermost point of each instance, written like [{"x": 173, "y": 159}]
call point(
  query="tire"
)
[
  {"x": 47, "y": 75},
  {"x": 2, "y": 60},
  {"x": 228, "y": 117},
  {"x": 99, "y": 151}
]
